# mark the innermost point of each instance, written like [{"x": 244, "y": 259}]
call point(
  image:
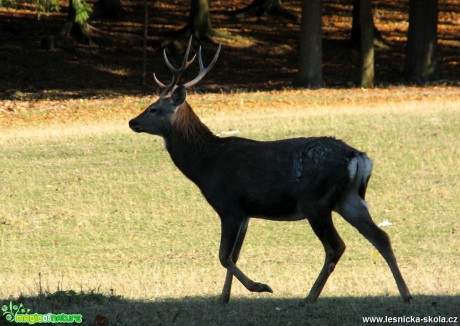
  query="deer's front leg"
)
[
  {"x": 231, "y": 228},
  {"x": 225, "y": 296}
]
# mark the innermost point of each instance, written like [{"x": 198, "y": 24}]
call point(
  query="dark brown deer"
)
[{"x": 284, "y": 180}]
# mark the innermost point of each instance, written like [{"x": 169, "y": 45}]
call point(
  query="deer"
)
[{"x": 281, "y": 180}]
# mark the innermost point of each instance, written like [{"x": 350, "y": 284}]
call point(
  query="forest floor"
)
[{"x": 262, "y": 55}]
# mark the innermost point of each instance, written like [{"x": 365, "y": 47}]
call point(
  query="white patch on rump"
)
[{"x": 352, "y": 167}]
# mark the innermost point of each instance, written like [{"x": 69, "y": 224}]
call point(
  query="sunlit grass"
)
[{"x": 95, "y": 207}]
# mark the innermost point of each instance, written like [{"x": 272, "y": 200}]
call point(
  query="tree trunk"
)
[
  {"x": 74, "y": 29},
  {"x": 259, "y": 8},
  {"x": 421, "y": 51},
  {"x": 199, "y": 22},
  {"x": 355, "y": 37},
  {"x": 311, "y": 51},
  {"x": 198, "y": 25},
  {"x": 366, "y": 70}
]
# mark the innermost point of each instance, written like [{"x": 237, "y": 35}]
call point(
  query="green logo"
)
[{"x": 21, "y": 315}]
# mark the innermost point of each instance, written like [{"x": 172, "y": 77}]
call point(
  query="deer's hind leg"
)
[
  {"x": 333, "y": 245},
  {"x": 355, "y": 211}
]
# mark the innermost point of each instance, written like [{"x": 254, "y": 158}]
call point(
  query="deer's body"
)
[
  {"x": 267, "y": 179},
  {"x": 285, "y": 180}
]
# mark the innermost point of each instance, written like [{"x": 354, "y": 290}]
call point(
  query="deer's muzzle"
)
[{"x": 134, "y": 125}]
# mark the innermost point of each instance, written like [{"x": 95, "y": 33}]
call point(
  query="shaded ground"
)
[
  {"x": 104, "y": 310},
  {"x": 262, "y": 56}
]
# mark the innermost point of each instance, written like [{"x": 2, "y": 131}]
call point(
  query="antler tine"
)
[
  {"x": 176, "y": 73},
  {"x": 169, "y": 64},
  {"x": 187, "y": 62},
  {"x": 158, "y": 82},
  {"x": 203, "y": 70}
]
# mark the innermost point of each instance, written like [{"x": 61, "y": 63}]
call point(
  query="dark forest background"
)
[{"x": 82, "y": 48}]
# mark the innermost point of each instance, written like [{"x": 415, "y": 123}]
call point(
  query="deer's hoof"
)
[
  {"x": 407, "y": 298},
  {"x": 260, "y": 287},
  {"x": 307, "y": 301},
  {"x": 223, "y": 300}
]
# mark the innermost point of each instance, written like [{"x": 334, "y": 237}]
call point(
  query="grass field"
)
[{"x": 96, "y": 220}]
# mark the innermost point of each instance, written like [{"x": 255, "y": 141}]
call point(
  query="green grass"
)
[{"x": 95, "y": 219}]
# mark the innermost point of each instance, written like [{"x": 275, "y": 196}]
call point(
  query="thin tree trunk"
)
[
  {"x": 311, "y": 51},
  {"x": 421, "y": 52},
  {"x": 366, "y": 71},
  {"x": 144, "y": 43}
]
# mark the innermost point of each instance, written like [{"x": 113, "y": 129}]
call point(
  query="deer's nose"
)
[{"x": 134, "y": 125}]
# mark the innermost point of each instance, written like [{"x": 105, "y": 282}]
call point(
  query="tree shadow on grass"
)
[{"x": 109, "y": 310}]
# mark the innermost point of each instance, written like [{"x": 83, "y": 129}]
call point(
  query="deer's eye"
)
[{"x": 153, "y": 111}]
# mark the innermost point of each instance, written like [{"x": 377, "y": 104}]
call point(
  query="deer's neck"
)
[{"x": 190, "y": 143}]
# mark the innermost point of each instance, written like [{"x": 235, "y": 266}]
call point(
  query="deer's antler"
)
[{"x": 177, "y": 72}]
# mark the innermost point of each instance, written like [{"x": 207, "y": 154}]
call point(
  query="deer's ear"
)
[{"x": 179, "y": 95}]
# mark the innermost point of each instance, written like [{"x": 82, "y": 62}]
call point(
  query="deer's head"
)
[{"x": 158, "y": 118}]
